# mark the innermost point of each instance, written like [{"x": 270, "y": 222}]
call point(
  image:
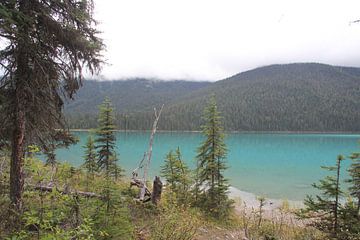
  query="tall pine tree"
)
[
  {"x": 45, "y": 45},
  {"x": 90, "y": 163},
  {"x": 326, "y": 207},
  {"x": 107, "y": 157},
  {"x": 211, "y": 183},
  {"x": 105, "y": 141}
]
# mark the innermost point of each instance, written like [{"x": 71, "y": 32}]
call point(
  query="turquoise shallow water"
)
[{"x": 281, "y": 166}]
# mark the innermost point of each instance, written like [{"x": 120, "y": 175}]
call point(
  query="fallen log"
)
[{"x": 65, "y": 191}]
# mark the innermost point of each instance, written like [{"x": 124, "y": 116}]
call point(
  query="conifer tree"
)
[
  {"x": 177, "y": 175},
  {"x": 90, "y": 163},
  {"x": 354, "y": 172},
  {"x": 184, "y": 177},
  {"x": 115, "y": 170},
  {"x": 45, "y": 45},
  {"x": 168, "y": 170},
  {"x": 326, "y": 207},
  {"x": 213, "y": 186},
  {"x": 105, "y": 141},
  {"x": 105, "y": 145}
]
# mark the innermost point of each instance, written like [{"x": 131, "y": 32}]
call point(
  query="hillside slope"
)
[
  {"x": 129, "y": 95},
  {"x": 291, "y": 97}
]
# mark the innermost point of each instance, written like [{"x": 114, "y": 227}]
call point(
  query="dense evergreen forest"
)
[{"x": 291, "y": 97}]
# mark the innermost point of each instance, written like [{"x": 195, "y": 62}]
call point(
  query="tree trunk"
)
[
  {"x": 157, "y": 189},
  {"x": 22, "y": 75},
  {"x": 337, "y": 196},
  {"x": 17, "y": 161},
  {"x": 358, "y": 206}
]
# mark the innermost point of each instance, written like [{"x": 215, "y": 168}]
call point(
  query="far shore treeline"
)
[{"x": 299, "y": 97}]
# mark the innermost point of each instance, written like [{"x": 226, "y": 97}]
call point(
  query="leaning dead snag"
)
[{"x": 141, "y": 183}]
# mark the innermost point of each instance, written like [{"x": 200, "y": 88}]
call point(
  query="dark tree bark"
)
[
  {"x": 18, "y": 139},
  {"x": 45, "y": 46},
  {"x": 157, "y": 189},
  {"x": 17, "y": 162}
]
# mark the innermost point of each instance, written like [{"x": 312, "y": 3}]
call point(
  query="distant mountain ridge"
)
[
  {"x": 133, "y": 95},
  {"x": 289, "y": 97}
]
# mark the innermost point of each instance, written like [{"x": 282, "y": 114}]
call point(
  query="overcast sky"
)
[{"x": 214, "y": 39}]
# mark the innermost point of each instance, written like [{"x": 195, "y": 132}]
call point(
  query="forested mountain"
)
[
  {"x": 134, "y": 95},
  {"x": 291, "y": 97}
]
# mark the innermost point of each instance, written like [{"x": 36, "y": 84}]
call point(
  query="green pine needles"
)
[
  {"x": 335, "y": 212},
  {"x": 90, "y": 160},
  {"x": 326, "y": 206},
  {"x": 105, "y": 145},
  {"x": 105, "y": 140},
  {"x": 177, "y": 176},
  {"x": 211, "y": 185}
]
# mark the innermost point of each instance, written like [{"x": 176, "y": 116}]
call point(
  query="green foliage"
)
[
  {"x": 107, "y": 157},
  {"x": 35, "y": 38},
  {"x": 292, "y": 97},
  {"x": 113, "y": 221},
  {"x": 175, "y": 226},
  {"x": 45, "y": 47},
  {"x": 174, "y": 223},
  {"x": 331, "y": 213},
  {"x": 211, "y": 185},
  {"x": 177, "y": 176},
  {"x": 349, "y": 214},
  {"x": 128, "y": 96},
  {"x": 90, "y": 160},
  {"x": 55, "y": 215},
  {"x": 281, "y": 224},
  {"x": 326, "y": 207},
  {"x": 105, "y": 140},
  {"x": 354, "y": 173}
]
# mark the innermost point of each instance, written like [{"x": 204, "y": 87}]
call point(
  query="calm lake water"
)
[{"x": 281, "y": 166}]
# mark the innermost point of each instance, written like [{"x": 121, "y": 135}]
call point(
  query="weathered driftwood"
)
[
  {"x": 138, "y": 183},
  {"x": 65, "y": 191},
  {"x": 157, "y": 189}
]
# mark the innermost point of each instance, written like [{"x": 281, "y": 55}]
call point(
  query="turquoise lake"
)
[{"x": 280, "y": 166}]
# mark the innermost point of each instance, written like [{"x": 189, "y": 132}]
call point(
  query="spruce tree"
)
[
  {"x": 105, "y": 141},
  {"x": 184, "y": 178},
  {"x": 168, "y": 170},
  {"x": 349, "y": 214},
  {"x": 90, "y": 163},
  {"x": 45, "y": 46},
  {"x": 106, "y": 154},
  {"x": 177, "y": 175},
  {"x": 211, "y": 183},
  {"x": 326, "y": 207}
]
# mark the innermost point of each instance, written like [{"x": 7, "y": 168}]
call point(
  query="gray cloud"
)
[{"x": 213, "y": 39}]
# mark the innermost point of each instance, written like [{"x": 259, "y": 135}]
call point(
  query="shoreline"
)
[
  {"x": 245, "y": 132},
  {"x": 283, "y": 211},
  {"x": 250, "y": 200}
]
